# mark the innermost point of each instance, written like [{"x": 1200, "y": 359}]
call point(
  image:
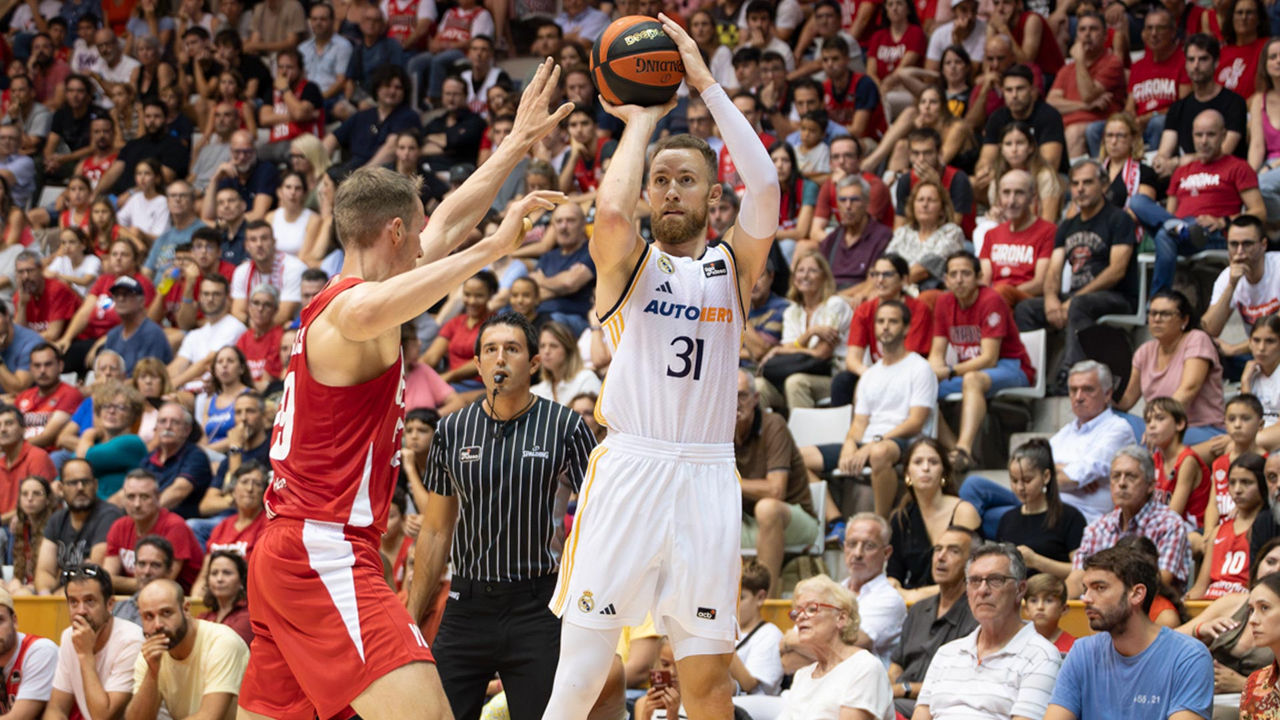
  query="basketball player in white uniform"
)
[{"x": 657, "y": 526}]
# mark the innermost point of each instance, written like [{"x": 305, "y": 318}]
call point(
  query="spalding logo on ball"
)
[{"x": 635, "y": 63}]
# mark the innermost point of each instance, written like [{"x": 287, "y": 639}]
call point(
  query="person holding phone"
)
[{"x": 662, "y": 701}]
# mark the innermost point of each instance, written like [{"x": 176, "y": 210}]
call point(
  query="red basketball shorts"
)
[{"x": 325, "y": 622}]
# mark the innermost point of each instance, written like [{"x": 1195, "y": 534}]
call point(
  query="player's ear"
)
[{"x": 717, "y": 190}]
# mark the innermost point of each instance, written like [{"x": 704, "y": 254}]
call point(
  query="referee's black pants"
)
[{"x": 502, "y": 627}]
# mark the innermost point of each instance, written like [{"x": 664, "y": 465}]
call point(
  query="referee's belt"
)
[{"x": 466, "y": 589}]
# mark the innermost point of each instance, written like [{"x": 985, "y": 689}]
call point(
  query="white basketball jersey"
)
[{"x": 675, "y": 337}]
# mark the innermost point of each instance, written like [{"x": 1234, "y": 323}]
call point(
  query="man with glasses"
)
[
  {"x": 96, "y": 656},
  {"x": 1004, "y": 668},
  {"x": 852, "y": 248},
  {"x": 881, "y": 609},
  {"x": 933, "y": 621},
  {"x": 1250, "y": 284},
  {"x": 1130, "y": 667},
  {"x": 254, "y": 179},
  {"x": 777, "y": 506},
  {"x": 846, "y": 159},
  {"x": 183, "y": 224},
  {"x": 115, "y": 68},
  {"x": 1136, "y": 512},
  {"x": 179, "y": 465},
  {"x": 136, "y": 336},
  {"x": 1156, "y": 81},
  {"x": 77, "y": 533}
]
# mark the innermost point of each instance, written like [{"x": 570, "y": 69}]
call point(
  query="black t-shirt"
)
[
  {"x": 74, "y": 545},
  {"x": 1056, "y": 543},
  {"x": 1045, "y": 123},
  {"x": 1117, "y": 193},
  {"x": 1182, "y": 114},
  {"x": 911, "y": 562},
  {"x": 166, "y": 148},
  {"x": 462, "y": 139},
  {"x": 1088, "y": 243},
  {"x": 75, "y": 131},
  {"x": 251, "y": 67}
]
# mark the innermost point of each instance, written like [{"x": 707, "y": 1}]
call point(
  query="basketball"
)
[{"x": 635, "y": 63}]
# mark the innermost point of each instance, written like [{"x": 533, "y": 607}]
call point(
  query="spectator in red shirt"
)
[
  {"x": 21, "y": 460},
  {"x": 1204, "y": 195},
  {"x": 42, "y": 304},
  {"x": 261, "y": 342},
  {"x": 457, "y": 338},
  {"x": 225, "y": 597},
  {"x": 899, "y": 45},
  {"x": 974, "y": 325},
  {"x": 1091, "y": 86},
  {"x": 47, "y": 405},
  {"x": 1033, "y": 41},
  {"x": 846, "y": 159},
  {"x": 1156, "y": 80},
  {"x": 1242, "y": 41},
  {"x": 1015, "y": 255},
  {"x": 144, "y": 516},
  {"x": 887, "y": 277},
  {"x": 852, "y": 99}
]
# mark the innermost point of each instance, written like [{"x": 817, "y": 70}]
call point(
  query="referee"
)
[{"x": 494, "y": 471}]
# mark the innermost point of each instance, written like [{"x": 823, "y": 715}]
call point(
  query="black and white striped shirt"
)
[{"x": 505, "y": 477}]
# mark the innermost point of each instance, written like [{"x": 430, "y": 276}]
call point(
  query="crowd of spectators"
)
[{"x": 954, "y": 174}]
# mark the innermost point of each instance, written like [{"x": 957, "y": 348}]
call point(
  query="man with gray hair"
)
[
  {"x": 1099, "y": 242},
  {"x": 180, "y": 466},
  {"x": 1004, "y": 668},
  {"x": 1082, "y": 451},
  {"x": 1136, "y": 513},
  {"x": 853, "y": 247},
  {"x": 881, "y": 608}
]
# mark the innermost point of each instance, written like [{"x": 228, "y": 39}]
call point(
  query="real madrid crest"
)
[
  {"x": 664, "y": 264},
  {"x": 586, "y": 603}
]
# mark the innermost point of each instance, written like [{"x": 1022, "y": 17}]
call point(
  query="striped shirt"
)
[
  {"x": 505, "y": 476},
  {"x": 1016, "y": 680}
]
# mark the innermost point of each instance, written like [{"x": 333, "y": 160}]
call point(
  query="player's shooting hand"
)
[
  {"x": 626, "y": 113},
  {"x": 696, "y": 72},
  {"x": 153, "y": 649},
  {"x": 532, "y": 119}
]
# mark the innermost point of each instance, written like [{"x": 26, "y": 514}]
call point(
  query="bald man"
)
[
  {"x": 1204, "y": 195},
  {"x": 1015, "y": 256},
  {"x": 192, "y": 666}
]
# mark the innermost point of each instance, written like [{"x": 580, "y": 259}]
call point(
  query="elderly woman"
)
[
  {"x": 846, "y": 681},
  {"x": 1180, "y": 361},
  {"x": 815, "y": 338},
  {"x": 226, "y": 595},
  {"x": 110, "y": 446},
  {"x": 928, "y": 237}
]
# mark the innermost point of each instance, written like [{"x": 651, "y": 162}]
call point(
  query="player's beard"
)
[{"x": 680, "y": 229}]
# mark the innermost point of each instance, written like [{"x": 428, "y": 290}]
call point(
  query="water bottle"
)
[{"x": 170, "y": 277}]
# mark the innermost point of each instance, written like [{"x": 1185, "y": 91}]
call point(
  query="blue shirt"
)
[
  {"x": 555, "y": 262},
  {"x": 161, "y": 256},
  {"x": 1173, "y": 674},
  {"x": 148, "y": 341},
  {"x": 18, "y": 355},
  {"x": 83, "y": 418},
  {"x": 263, "y": 180},
  {"x": 189, "y": 462}
]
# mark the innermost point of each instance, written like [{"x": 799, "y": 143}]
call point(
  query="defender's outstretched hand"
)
[
  {"x": 517, "y": 221},
  {"x": 696, "y": 72},
  {"x": 533, "y": 119}
]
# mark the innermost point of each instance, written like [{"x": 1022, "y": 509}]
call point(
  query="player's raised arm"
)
[
  {"x": 615, "y": 246},
  {"x": 757, "y": 222},
  {"x": 370, "y": 309},
  {"x": 463, "y": 209}
]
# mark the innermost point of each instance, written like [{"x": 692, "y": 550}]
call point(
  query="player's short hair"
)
[
  {"x": 685, "y": 141},
  {"x": 164, "y": 546},
  {"x": 516, "y": 320},
  {"x": 370, "y": 198},
  {"x": 755, "y": 577}
]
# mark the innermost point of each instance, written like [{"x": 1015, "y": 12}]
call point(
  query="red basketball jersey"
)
[
  {"x": 335, "y": 451},
  {"x": 1229, "y": 571}
]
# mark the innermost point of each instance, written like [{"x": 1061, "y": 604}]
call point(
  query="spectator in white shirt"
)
[
  {"x": 266, "y": 266},
  {"x": 757, "y": 664},
  {"x": 1250, "y": 284}
]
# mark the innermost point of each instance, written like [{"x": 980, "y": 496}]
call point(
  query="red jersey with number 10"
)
[{"x": 335, "y": 451}]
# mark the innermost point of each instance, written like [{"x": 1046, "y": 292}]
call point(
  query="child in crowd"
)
[
  {"x": 1225, "y": 568},
  {"x": 1182, "y": 485},
  {"x": 1045, "y": 604},
  {"x": 662, "y": 701},
  {"x": 813, "y": 154},
  {"x": 1244, "y": 419},
  {"x": 756, "y": 667}
]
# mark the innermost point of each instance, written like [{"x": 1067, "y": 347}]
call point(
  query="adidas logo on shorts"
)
[
  {"x": 608, "y": 610},
  {"x": 664, "y": 287}
]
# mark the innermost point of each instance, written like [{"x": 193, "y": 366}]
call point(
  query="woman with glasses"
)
[
  {"x": 1122, "y": 153},
  {"x": 846, "y": 681},
  {"x": 110, "y": 446},
  {"x": 1179, "y": 361}
]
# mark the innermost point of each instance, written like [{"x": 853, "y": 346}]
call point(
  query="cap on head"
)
[{"x": 124, "y": 283}]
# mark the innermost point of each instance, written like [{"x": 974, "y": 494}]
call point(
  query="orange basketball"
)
[{"x": 635, "y": 63}]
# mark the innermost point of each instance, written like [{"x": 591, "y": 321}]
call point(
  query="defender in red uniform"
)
[{"x": 331, "y": 638}]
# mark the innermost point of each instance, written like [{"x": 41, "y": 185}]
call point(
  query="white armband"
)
[{"x": 758, "y": 213}]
